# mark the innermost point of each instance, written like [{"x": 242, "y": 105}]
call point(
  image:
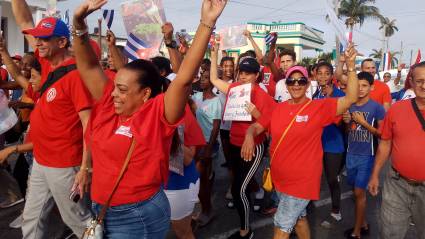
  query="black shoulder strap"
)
[
  {"x": 418, "y": 113},
  {"x": 56, "y": 75}
]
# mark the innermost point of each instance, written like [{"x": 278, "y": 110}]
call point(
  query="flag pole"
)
[{"x": 99, "y": 40}]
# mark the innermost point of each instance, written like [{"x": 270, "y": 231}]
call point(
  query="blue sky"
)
[{"x": 410, "y": 15}]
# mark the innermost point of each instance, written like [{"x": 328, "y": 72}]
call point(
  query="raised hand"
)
[
  {"x": 401, "y": 67},
  {"x": 211, "y": 10},
  {"x": 167, "y": 30},
  {"x": 87, "y": 7},
  {"x": 247, "y": 34},
  {"x": 214, "y": 50},
  {"x": 110, "y": 38},
  {"x": 350, "y": 56}
]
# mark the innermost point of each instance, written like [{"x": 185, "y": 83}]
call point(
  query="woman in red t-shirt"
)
[
  {"x": 296, "y": 159},
  {"x": 243, "y": 171},
  {"x": 131, "y": 107}
]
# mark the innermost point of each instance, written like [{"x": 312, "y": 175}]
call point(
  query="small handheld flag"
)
[
  {"x": 108, "y": 15},
  {"x": 133, "y": 45},
  {"x": 270, "y": 38}
]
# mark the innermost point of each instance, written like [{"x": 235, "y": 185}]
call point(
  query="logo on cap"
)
[{"x": 47, "y": 25}]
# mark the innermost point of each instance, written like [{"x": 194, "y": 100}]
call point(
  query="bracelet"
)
[
  {"x": 16, "y": 149},
  {"x": 79, "y": 32},
  {"x": 87, "y": 169},
  {"x": 206, "y": 25}
]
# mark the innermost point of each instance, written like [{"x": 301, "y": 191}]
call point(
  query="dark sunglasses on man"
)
[{"x": 301, "y": 81}]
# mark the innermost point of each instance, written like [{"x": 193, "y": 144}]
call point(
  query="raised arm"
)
[
  {"x": 12, "y": 68},
  {"x": 221, "y": 85},
  {"x": 399, "y": 69},
  {"x": 177, "y": 95},
  {"x": 339, "y": 71},
  {"x": 87, "y": 63},
  {"x": 116, "y": 54},
  {"x": 269, "y": 61},
  {"x": 173, "y": 52},
  {"x": 23, "y": 17},
  {"x": 258, "y": 52},
  {"x": 352, "y": 86}
]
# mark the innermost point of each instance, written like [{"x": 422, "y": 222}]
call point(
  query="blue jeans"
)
[
  {"x": 149, "y": 219},
  {"x": 359, "y": 169},
  {"x": 290, "y": 209}
]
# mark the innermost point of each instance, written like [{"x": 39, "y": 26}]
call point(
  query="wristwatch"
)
[
  {"x": 172, "y": 44},
  {"x": 79, "y": 32}
]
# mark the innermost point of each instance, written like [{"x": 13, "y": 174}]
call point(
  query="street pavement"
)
[{"x": 226, "y": 221}]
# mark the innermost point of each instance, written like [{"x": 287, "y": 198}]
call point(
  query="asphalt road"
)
[{"x": 226, "y": 220}]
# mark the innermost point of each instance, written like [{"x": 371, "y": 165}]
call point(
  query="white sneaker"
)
[
  {"x": 17, "y": 223},
  {"x": 259, "y": 194},
  {"x": 229, "y": 195}
]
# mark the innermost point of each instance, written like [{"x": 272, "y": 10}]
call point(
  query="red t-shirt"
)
[
  {"x": 56, "y": 129},
  {"x": 110, "y": 140},
  {"x": 297, "y": 165},
  {"x": 380, "y": 93},
  {"x": 264, "y": 104},
  {"x": 193, "y": 135},
  {"x": 402, "y": 126},
  {"x": 269, "y": 81}
]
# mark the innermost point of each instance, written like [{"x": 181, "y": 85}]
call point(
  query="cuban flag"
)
[
  {"x": 66, "y": 17},
  {"x": 133, "y": 46},
  {"x": 270, "y": 37},
  {"x": 386, "y": 61},
  {"x": 108, "y": 15}
]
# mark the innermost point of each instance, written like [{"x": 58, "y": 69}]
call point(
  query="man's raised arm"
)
[{"x": 23, "y": 17}]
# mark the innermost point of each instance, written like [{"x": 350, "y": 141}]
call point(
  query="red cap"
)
[
  {"x": 17, "y": 57},
  {"x": 49, "y": 27}
]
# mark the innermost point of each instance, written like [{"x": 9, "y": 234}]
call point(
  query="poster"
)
[
  {"x": 144, "y": 19},
  {"x": 236, "y": 102},
  {"x": 232, "y": 37}
]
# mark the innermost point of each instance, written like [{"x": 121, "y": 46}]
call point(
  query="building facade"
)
[{"x": 293, "y": 35}]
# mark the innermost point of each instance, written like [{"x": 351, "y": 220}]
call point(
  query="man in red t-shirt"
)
[
  {"x": 380, "y": 92},
  {"x": 403, "y": 139},
  {"x": 57, "y": 124}
]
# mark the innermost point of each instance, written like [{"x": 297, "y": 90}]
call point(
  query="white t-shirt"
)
[
  {"x": 393, "y": 87},
  {"x": 282, "y": 93}
]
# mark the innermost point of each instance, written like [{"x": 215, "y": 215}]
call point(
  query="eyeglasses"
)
[
  {"x": 387, "y": 76},
  {"x": 301, "y": 81}
]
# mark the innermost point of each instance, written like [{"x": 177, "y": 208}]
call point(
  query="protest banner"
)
[
  {"x": 144, "y": 19},
  {"x": 236, "y": 103},
  {"x": 232, "y": 37}
]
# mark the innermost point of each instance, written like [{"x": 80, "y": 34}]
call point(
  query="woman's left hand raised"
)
[{"x": 211, "y": 10}]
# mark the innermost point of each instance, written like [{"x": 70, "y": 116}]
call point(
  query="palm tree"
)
[
  {"x": 376, "y": 53},
  {"x": 389, "y": 28},
  {"x": 357, "y": 11}
]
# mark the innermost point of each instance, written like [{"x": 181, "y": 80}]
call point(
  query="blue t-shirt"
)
[
  {"x": 178, "y": 182},
  {"x": 360, "y": 140},
  {"x": 206, "y": 112},
  {"x": 332, "y": 136}
]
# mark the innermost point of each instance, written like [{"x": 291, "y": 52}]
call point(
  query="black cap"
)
[{"x": 250, "y": 65}]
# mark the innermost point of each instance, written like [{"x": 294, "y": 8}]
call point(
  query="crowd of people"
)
[{"x": 133, "y": 144}]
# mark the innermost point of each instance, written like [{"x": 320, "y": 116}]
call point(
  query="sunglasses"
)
[{"x": 301, "y": 81}]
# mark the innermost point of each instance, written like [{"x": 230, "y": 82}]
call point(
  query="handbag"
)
[
  {"x": 267, "y": 175},
  {"x": 94, "y": 229}
]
